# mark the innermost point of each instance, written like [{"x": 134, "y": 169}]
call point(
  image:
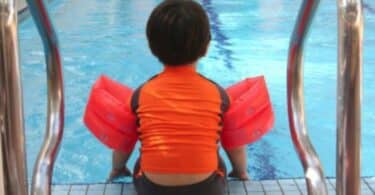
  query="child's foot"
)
[
  {"x": 116, "y": 173},
  {"x": 239, "y": 175}
]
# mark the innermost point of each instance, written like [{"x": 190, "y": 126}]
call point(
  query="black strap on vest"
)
[
  {"x": 223, "y": 95},
  {"x": 134, "y": 102}
]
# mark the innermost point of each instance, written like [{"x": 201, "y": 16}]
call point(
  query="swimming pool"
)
[{"x": 249, "y": 38}]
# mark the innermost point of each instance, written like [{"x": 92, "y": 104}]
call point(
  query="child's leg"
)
[
  {"x": 238, "y": 159},
  {"x": 222, "y": 166},
  {"x": 119, "y": 169}
]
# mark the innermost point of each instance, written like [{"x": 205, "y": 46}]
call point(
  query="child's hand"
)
[
  {"x": 240, "y": 175},
  {"x": 116, "y": 173}
]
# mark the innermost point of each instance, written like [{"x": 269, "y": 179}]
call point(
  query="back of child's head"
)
[{"x": 178, "y": 32}]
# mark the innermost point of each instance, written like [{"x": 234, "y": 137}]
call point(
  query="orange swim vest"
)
[
  {"x": 109, "y": 117},
  {"x": 180, "y": 120}
]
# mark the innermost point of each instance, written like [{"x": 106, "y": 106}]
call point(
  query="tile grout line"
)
[
  {"x": 87, "y": 191},
  {"x": 299, "y": 189},
  {"x": 86, "y": 188},
  {"x": 105, "y": 188},
  {"x": 264, "y": 189},
  {"x": 369, "y": 186},
  {"x": 244, "y": 185},
  {"x": 124, "y": 186},
  {"x": 122, "y": 189},
  {"x": 70, "y": 189},
  {"x": 228, "y": 190},
  {"x": 71, "y": 186},
  {"x": 281, "y": 189},
  {"x": 333, "y": 184}
]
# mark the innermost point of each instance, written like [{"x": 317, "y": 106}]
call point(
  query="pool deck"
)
[{"x": 264, "y": 187}]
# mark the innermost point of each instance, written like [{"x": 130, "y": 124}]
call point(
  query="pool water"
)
[{"x": 249, "y": 38}]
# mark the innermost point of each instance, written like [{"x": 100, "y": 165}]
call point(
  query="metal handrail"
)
[
  {"x": 13, "y": 173},
  {"x": 296, "y": 113},
  {"x": 42, "y": 175},
  {"x": 349, "y": 94}
]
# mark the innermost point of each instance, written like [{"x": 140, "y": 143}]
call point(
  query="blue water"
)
[{"x": 249, "y": 38}]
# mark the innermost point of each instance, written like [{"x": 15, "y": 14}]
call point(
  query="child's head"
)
[{"x": 178, "y": 32}]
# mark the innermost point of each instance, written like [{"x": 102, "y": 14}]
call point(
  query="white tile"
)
[
  {"x": 255, "y": 193},
  {"x": 60, "y": 192},
  {"x": 236, "y": 187},
  {"x": 269, "y": 182},
  {"x": 97, "y": 192},
  {"x": 274, "y": 193},
  {"x": 236, "y": 184},
  {"x": 286, "y": 182},
  {"x": 96, "y": 187},
  {"x": 331, "y": 192},
  {"x": 128, "y": 189},
  {"x": 61, "y": 187},
  {"x": 329, "y": 185},
  {"x": 112, "y": 192},
  {"x": 301, "y": 183},
  {"x": 253, "y": 186},
  {"x": 370, "y": 180},
  {"x": 78, "y": 188},
  {"x": 292, "y": 192},
  {"x": 77, "y": 192},
  {"x": 367, "y": 192},
  {"x": 332, "y": 182},
  {"x": 364, "y": 186},
  {"x": 288, "y": 185},
  {"x": 303, "y": 191},
  {"x": 272, "y": 188},
  {"x": 372, "y": 186},
  {"x": 113, "y": 189}
]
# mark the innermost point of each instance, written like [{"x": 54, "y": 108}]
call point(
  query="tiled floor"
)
[{"x": 265, "y": 187}]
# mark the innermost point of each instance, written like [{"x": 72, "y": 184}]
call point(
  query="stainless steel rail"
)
[
  {"x": 13, "y": 166},
  {"x": 296, "y": 113},
  {"x": 349, "y": 95},
  {"x": 42, "y": 176}
]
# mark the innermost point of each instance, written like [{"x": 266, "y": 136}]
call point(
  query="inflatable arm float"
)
[
  {"x": 250, "y": 114},
  {"x": 108, "y": 115}
]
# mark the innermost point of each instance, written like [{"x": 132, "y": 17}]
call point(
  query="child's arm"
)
[
  {"x": 119, "y": 168},
  {"x": 238, "y": 159}
]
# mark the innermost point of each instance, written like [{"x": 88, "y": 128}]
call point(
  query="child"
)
[{"x": 179, "y": 111}]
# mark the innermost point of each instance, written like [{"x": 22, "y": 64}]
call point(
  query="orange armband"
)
[
  {"x": 250, "y": 114},
  {"x": 108, "y": 115}
]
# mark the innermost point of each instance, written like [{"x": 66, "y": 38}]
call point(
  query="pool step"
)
[{"x": 264, "y": 187}]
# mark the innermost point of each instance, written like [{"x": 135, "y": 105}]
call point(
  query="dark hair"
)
[{"x": 178, "y": 32}]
